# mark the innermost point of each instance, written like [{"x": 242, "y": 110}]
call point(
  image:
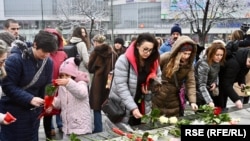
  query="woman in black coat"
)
[{"x": 234, "y": 70}]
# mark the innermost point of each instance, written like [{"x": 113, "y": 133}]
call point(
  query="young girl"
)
[{"x": 73, "y": 99}]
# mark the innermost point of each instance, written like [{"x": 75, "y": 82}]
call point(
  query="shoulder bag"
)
[{"x": 113, "y": 108}]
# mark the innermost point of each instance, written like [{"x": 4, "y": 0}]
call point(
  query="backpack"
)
[
  {"x": 71, "y": 50},
  {"x": 231, "y": 48}
]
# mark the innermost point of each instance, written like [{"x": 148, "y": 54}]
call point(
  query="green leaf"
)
[
  {"x": 155, "y": 112},
  {"x": 50, "y": 90}
]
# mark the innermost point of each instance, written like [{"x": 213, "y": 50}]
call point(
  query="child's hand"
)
[{"x": 62, "y": 81}]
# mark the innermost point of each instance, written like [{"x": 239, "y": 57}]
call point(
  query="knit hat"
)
[
  {"x": 99, "y": 38},
  {"x": 69, "y": 67},
  {"x": 82, "y": 76},
  {"x": 120, "y": 41},
  {"x": 176, "y": 28},
  {"x": 186, "y": 47},
  {"x": 7, "y": 37}
]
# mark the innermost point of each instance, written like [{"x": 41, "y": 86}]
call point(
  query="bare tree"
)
[
  {"x": 82, "y": 12},
  {"x": 203, "y": 14}
]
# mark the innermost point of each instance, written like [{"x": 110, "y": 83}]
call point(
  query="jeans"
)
[
  {"x": 58, "y": 122},
  {"x": 97, "y": 121}
]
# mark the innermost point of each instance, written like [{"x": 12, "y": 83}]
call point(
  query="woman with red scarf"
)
[{"x": 132, "y": 73}]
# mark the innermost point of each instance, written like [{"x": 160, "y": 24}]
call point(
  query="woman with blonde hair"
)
[{"x": 177, "y": 68}]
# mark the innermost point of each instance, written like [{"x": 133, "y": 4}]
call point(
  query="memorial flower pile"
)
[{"x": 212, "y": 115}]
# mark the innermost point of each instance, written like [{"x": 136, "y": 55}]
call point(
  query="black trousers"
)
[{"x": 47, "y": 126}]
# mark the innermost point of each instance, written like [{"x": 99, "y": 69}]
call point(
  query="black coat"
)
[{"x": 234, "y": 70}]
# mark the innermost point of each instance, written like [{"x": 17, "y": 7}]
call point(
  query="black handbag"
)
[{"x": 113, "y": 110}]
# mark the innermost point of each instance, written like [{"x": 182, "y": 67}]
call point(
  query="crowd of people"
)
[{"x": 26, "y": 70}]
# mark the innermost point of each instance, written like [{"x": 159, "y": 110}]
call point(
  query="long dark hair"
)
[
  {"x": 154, "y": 54},
  {"x": 78, "y": 33}
]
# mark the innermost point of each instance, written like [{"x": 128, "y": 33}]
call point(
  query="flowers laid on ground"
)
[
  {"x": 50, "y": 91},
  {"x": 152, "y": 118},
  {"x": 212, "y": 115},
  {"x": 206, "y": 115},
  {"x": 133, "y": 137}
]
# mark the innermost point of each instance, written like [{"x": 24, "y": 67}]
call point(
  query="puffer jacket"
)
[
  {"x": 124, "y": 85},
  {"x": 168, "y": 99},
  {"x": 73, "y": 100},
  {"x": 16, "y": 100},
  {"x": 205, "y": 75},
  {"x": 166, "y": 47}
]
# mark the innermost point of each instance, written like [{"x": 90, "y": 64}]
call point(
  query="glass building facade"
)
[{"x": 129, "y": 17}]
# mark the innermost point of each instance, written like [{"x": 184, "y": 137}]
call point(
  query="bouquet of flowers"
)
[
  {"x": 50, "y": 91},
  {"x": 212, "y": 115},
  {"x": 246, "y": 90}
]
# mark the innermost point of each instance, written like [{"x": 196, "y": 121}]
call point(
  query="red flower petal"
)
[{"x": 9, "y": 117}]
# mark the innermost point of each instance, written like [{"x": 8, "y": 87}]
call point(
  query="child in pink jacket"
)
[{"x": 73, "y": 99}]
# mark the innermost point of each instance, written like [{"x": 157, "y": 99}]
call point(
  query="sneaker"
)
[{"x": 52, "y": 132}]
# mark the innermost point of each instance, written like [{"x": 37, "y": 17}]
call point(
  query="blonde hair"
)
[
  {"x": 3, "y": 50},
  {"x": 99, "y": 38},
  {"x": 173, "y": 65}
]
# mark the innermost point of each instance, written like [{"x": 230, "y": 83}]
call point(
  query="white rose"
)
[
  {"x": 163, "y": 119},
  {"x": 173, "y": 120}
]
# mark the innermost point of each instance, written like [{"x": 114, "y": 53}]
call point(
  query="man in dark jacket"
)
[{"x": 234, "y": 70}]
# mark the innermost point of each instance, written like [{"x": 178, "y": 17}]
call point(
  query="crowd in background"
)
[{"x": 219, "y": 72}]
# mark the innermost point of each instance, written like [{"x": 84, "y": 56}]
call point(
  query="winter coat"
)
[
  {"x": 59, "y": 56},
  {"x": 100, "y": 64},
  {"x": 83, "y": 52},
  {"x": 168, "y": 99},
  {"x": 124, "y": 85},
  {"x": 17, "y": 100},
  {"x": 237, "y": 88},
  {"x": 120, "y": 51},
  {"x": 234, "y": 70},
  {"x": 205, "y": 75},
  {"x": 166, "y": 47},
  {"x": 73, "y": 100}
]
